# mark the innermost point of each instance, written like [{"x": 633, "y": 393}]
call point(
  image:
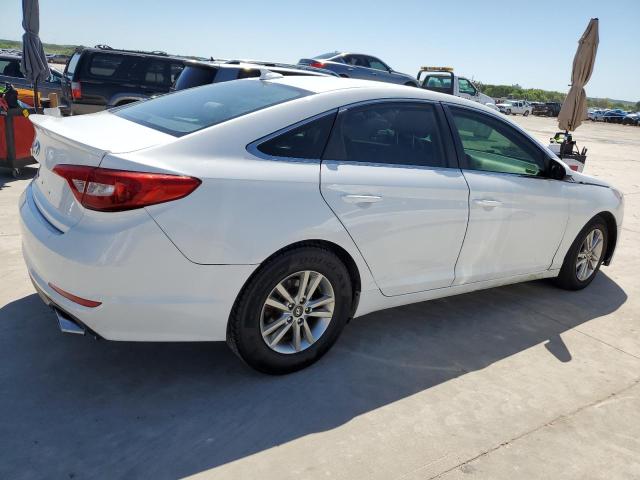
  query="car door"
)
[
  {"x": 389, "y": 174},
  {"x": 356, "y": 67},
  {"x": 379, "y": 71},
  {"x": 517, "y": 215},
  {"x": 466, "y": 89}
]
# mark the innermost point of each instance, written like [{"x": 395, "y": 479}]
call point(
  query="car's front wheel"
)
[
  {"x": 292, "y": 310},
  {"x": 585, "y": 256},
  {"x": 526, "y": 113}
]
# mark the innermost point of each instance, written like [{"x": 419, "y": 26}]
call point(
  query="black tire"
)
[
  {"x": 244, "y": 336},
  {"x": 508, "y": 111},
  {"x": 526, "y": 113},
  {"x": 568, "y": 278}
]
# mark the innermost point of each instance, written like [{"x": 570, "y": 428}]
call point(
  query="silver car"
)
[{"x": 357, "y": 65}]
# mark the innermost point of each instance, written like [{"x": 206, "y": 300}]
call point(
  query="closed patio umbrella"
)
[
  {"x": 34, "y": 64},
  {"x": 574, "y": 108}
]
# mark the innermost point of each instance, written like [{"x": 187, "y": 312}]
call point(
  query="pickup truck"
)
[
  {"x": 443, "y": 80},
  {"x": 515, "y": 107}
]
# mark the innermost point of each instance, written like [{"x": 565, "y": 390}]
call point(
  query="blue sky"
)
[{"x": 531, "y": 43}]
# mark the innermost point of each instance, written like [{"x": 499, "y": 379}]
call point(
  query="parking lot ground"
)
[{"x": 523, "y": 381}]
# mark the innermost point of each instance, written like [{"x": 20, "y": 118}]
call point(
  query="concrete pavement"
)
[{"x": 524, "y": 381}]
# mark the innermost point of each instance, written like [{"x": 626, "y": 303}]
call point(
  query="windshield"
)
[{"x": 193, "y": 109}]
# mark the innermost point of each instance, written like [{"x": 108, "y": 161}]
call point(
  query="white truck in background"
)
[{"x": 443, "y": 80}]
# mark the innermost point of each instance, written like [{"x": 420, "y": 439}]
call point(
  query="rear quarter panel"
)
[{"x": 247, "y": 208}]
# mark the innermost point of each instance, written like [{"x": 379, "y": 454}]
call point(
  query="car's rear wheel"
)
[
  {"x": 526, "y": 113},
  {"x": 585, "y": 256},
  {"x": 292, "y": 310},
  {"x": 508, "y": 111}
]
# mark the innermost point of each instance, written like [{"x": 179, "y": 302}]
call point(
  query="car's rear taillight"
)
[
  {"x": 317, "y": 64},
  {"x": 109, "y": 190},
  {"x": 76, "y": 90}
]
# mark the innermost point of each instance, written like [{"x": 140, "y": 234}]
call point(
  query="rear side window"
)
[
  {"x": 306, "y": 141},
  {"x": 193, "y": 76},
  {"x": 190, "y": 110},
  {"x": 104, "y": 64},
  {"x": 390, "y": 133}
]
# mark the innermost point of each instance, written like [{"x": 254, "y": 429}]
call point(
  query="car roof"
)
[
  {"x": 377, "y": 90},
  {"x": 116, "y": 51}
]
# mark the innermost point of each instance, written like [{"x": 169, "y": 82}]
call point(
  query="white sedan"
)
[{"x": 267, "y": 212}]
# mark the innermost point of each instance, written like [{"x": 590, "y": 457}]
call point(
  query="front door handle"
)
[
  {"x": 361, "y": 198},
  {"x": 487, "y": 203}
]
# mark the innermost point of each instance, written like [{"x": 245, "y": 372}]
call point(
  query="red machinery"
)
[{"x": 16, "y": 133}]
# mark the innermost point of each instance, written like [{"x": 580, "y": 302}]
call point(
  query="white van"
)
[{"x": 443, "y": 80}]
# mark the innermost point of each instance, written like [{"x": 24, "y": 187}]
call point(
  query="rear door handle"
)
[
  {"x": 361, "y": 198},
  {"x": 487, "y": 202}
]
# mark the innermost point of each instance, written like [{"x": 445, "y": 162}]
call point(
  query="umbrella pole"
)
[{"x": 36, "y": 103}]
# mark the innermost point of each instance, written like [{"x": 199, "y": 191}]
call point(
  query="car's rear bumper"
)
[{"x": 148, "y": 290}]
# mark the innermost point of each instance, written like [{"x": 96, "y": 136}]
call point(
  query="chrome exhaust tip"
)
[{"x": 68, "y": 325}]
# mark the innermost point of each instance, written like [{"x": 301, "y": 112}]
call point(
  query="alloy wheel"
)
[
  {"x": 297, "y": 312},
  {"x": 589, "y": 254}
]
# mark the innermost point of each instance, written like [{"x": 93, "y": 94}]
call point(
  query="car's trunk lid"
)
[{"x": 82, "y": 140}]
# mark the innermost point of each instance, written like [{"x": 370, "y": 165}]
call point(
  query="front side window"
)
[
  {"x": 377, "y": 64},
  {"x": 465, "y": 86},
  {"x": 492, "y": 145},
  {"x": 305, "y": 141},
  {"x": 391, "y": 133},
  {"x": 193, "y": 109}
]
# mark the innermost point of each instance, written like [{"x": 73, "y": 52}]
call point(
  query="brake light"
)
[
  {"x": 76, "y": 90},
  {"x": 317, "y": 64},
  {"x": 108, "y": 190}
]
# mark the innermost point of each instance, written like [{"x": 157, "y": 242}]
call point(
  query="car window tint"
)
[
  {"x": 196, "y": 108},
  {"x": 305, "y": 141},
  {"x": 248, "y": 73},
  {"x": 465, "y": 86},
  {"x": 175, "y": 70},
  {"x": 438, "y": 83},
  {"x": 492, "y": 145},
  {"x": 104, "y": 65},
  {"x": 392, "y": 133},
  {"x": 377, "y": 64},
  {"x": 71, "y": 66},
  {"x": 194, "y": 76},
  {"x": 157, "y": 72},
  {"x": 10, "y": 68}
]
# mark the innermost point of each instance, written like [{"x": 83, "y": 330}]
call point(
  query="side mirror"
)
[{"x": 555, "y": 170}]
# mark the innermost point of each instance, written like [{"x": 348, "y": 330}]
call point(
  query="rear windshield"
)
[
  {"x": 190, "y": 110},
  {"x": 71, "y": 66},
  {"x": 324, "y": 56},
  {"x": 193, "y": 76}
]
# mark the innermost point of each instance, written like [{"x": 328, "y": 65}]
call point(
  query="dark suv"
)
[{"x": 103, "y": 77}]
